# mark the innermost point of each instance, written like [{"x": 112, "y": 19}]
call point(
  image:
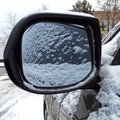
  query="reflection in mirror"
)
[{"x": 55, "y": 54}]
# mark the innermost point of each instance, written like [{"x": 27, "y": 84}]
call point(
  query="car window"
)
[
  {"x": 117, "y": 39},
  {"x": 110, "y": 47},
  {"x": 111, "y": 34}
]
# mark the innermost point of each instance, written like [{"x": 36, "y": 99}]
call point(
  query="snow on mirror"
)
[{"x": 55, "y": 54}]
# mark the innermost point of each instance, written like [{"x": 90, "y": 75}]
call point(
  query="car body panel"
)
[{"x": 86, "y": 104}]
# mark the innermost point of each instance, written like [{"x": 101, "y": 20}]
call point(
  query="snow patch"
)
[
  {"x": 109, "y": 93},
  {"x": 55, "y": 75},
  {"x": 77, "y": 49},
  {"x": 1, "y": 64},
  {"x": 29, "y": 108},
  {"x": 4, "y": 77},
  {"x": 71, "y": 101}
]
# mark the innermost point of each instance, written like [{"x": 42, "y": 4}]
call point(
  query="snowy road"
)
[{"x": 16, "y": 104}]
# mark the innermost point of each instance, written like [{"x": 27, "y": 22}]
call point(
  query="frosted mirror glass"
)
[{"x": 55, "y": 54}]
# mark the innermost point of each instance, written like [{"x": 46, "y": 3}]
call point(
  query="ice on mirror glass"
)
[{"x": 55, "y": 54}]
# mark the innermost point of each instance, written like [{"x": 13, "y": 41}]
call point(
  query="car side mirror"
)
[{"x": 54, "y": 52}]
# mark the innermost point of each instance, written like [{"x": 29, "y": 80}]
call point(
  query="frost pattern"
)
[
  {"x": 49, "y": 42},
  {"x": 55, "y": 54}
]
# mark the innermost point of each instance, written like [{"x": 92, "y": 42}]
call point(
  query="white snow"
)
[
  {"x": 55, "y": 75},
  {"x": 4, "y": 77},
  {"x": 51, "y": 54},
  {"x": 1, "y": 64},
  {"x": 70, "y": 103},
  {"x": 109, "y": 93},
  {"x": 69, "y": 13},
  {"x": 47, "y": 42},
  {"x": 16, "y": 104},
  {"x": 77, "y": 49},
  {"x": 58, "y": 97},
  {"x": 29, "y": 108}
]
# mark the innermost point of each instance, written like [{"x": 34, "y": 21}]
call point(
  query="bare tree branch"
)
[
  {"x": 44, "y": 7},
  {"x": 111, "y": 7},
  {"x": 8, "y": 25}
]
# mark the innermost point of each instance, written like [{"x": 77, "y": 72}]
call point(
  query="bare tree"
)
[
  {"x": 44, "y": 7},
  {"x": 11, "y": 21},
  {"x": 111, "y": 8},
  {"x": 8, "y": 25},
  {"x": 115, "y": 9}
]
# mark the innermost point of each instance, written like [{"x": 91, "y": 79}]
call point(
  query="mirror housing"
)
[{"x": 13, "y": 52}]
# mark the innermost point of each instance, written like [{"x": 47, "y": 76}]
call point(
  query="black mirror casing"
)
[{"x": 13, "y": 52}]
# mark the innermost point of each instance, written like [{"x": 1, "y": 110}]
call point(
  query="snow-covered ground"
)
[
  {"x": 2, "y": 46},
  {"x": 16, "y": 104},
  {"x": 1, "y": 64}
]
